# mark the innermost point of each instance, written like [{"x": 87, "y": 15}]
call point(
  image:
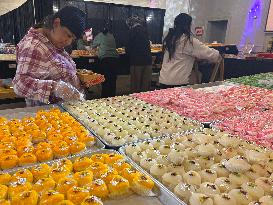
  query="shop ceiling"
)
[{"x": 9, "y": 5}]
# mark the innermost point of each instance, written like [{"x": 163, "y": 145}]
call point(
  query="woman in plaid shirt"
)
[{"x": 45, "y": 72}]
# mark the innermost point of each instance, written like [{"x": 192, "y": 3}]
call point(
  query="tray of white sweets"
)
[
  {"x": 123, "y": 119},
  {"x": 39, "y": 134},
  {"x": 207, "y": 168},
  {"x": 100, "y": 177}
]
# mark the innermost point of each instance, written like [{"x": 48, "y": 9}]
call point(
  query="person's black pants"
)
[{"x": 108, "y": 68}]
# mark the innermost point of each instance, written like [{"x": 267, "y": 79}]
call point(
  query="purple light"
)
[{"x": 253, "y": 22}]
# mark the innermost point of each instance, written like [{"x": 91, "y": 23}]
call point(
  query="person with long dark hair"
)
[
  {"x": 180, "y": 51},
  {"x": 45, "y": 71},
  {"x": 108, "y": 56},
  {"x": 139, "y": 51}
]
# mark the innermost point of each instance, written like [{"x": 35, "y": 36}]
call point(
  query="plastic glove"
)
[{"x": 66, "y": 92}]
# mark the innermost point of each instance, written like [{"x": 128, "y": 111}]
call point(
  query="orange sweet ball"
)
[
  {"x": 61, "y": 149},
  {"x": 77, "y": 147},
  {"x": 24, "y": 149},
  {"x": 9, "y": 161},
  {"x": 7, "y": 151},
  {"x": 27, "y": 159},
  {"x": 44, "y": 154}
]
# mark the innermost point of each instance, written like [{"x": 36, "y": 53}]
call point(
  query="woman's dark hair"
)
[
  {"x": 107, "y": 28},
  {"x": 182, "y": 26}
]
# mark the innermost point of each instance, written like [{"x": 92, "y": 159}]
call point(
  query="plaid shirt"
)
[{"x": 39, "y": 63}]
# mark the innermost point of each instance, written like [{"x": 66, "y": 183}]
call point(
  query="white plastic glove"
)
[{"x": 66, "y": 91}]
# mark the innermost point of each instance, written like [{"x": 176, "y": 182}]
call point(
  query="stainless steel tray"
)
[
  {"x": 159, "y": 184},
  {"x": 20, "y": 113},
  {"x": 162, "y": 195},
  {"x": 110, "y": 146}
]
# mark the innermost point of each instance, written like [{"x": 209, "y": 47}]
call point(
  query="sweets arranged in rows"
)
[
  {"x": 49, "y": 135},
  {"x": 263, "y": 80},
  {"x": 207, "y": 106},
  {"x": 208, "y": 168},
  {"x": 87, "y": 181},
  {"x": 125, "y": 119},
  {"x": 253, "y": 126}
]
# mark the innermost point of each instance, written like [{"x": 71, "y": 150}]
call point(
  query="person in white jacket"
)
[{"x": 181, "y": 49}]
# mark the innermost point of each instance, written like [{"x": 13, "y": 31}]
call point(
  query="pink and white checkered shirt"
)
[{"x": 39, "y": 63}]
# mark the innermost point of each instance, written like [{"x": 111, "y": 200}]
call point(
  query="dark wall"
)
[
  {"x": 14, "y": 25},
  {"x": 99, "y": 13}
]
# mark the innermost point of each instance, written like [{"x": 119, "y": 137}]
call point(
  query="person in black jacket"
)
[{"x": 139, "y": 51}]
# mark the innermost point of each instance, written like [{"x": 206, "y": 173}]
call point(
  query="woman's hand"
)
[{"x": 66, "y": 91}]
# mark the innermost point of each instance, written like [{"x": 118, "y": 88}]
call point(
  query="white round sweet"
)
[
  {"x": 131, "y": 138},
  {"x": 206, "y": 150},
  {"x": 177, "y": 145},
  {"x": 137, "y": 156},
  {"x": 164, "y": 149},
  {"x": 267, "y": 199},
  {"x": 158, "y": 170},
  {"x": 266, "y": 184},
  {"x": 192, "y": 178},
  {"x": 229, "y": 152},
  {"x": 238, "y": 179},
  {"x": 152, "y": 153},
  {"x": 224, "y": 184},
  {"x": 255, "y": 191},
  {"x": 191, "y": 153},
  {"x": 256, "y": 156},
  {"x": 241, "y": 196},
  {"x": 209, "y": 189},
  {"x": 156, "y": 143},
  {"x": 176, "y": 156},
  {"x": 192, "y": 165},
  {"x": 200, "y": 199},
  {"x": 179, "y": 168},
  {"x": 205, "y": 162},
  {"x": 171, "y": 179},
  {"x": 184, "y": 191},
  {"x": 201, "y": 138},
  {"x": 118, "y": 141},
  {"x": 220, "y": 169},
  {"x": 146, "y": 145},
  {"x": 261, "y": 169},
  {"x": 229, "y": 141},
  {"x": 208, "y": 175},
  {"x": 237, "y": 164},
  {"x": 147, "y": 163},
  {"x": 252, "y": 175},
  {"x": 130, "y": 149},
  {"x": 162, "y": 159},
  {"x": 224, "y": 199}
]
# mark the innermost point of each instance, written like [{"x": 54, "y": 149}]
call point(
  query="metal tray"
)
[
  {"x": 162, "y": 195},
  {"x": 123, "y": 152},
  {"x": 110, "y": 146},
  {"x": 158, "y": 183},
  {"x": 20, "y": 113}
]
